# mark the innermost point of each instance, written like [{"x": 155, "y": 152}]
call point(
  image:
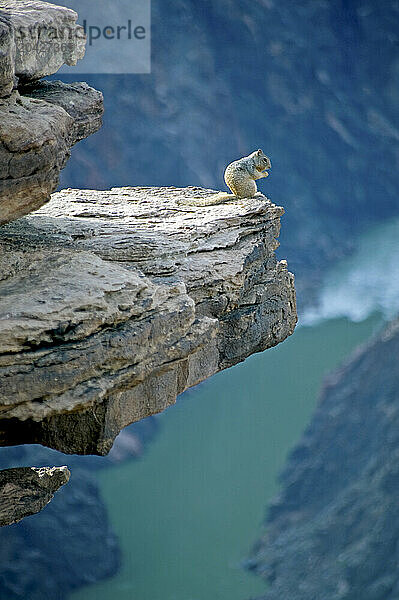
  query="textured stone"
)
[
  {"x": 83, "y": 103},
  {"x": 333, "y": 531},
  {"x": 36, "y": 134},
  {"x": 112, "y": 303},
  {"x": 26, "y": 490},
  {"x": 7, "y": 57},
  {"x": 45, "y": 37}
]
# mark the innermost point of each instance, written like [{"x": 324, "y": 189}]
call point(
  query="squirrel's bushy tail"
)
[{"x": 218, "y": 198}]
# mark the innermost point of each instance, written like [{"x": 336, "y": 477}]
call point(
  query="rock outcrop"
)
[
  {"x": 112, "y": 303},
  {"x": 39, "y": 38},
  {"x": 333, "y": 531},
  {"x": 39, "y": 121},
  {"x": 26, "y": 490}
]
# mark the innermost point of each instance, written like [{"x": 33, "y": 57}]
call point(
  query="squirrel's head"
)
[{"x": 261, "y": 160}]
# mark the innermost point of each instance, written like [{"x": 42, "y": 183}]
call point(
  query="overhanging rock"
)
[
  {"x": 39, "y": 120},
  {"x": 114, "y": 302},
  {"x": 37, "y": 39}
]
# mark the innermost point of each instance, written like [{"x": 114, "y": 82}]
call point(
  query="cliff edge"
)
[
  {"x": 114, "y": 302},
  {"x": 111, "y": 303}
]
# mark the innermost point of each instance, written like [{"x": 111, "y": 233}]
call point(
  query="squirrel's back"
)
[
  {"x": 239, "y": 180},
  {"x": 240, "y": 175}
]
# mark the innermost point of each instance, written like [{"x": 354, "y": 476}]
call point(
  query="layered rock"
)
[
  {"x": 82, "y": 103},
  {"x": 35, "y": 140},
  {"x": 112, "y": 303},
  {"x": 39, "y": 121},
  {"x": 26, "y": 490},
  {"x": 39, "y": 38},
  {"x": 333, "y": 531}
]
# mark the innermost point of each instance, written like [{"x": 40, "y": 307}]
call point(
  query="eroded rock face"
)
[
  {"x": 82, "y": 103},
  {"x": 25, "y": 491},
  {"x": 112, "y": 303},
  {"x": 41, "y": 38},
  {"x": 34, "y": 148},
  {"x": 39, "y": 121},
  {"x": 333, "y": 531},
  {"x": 36, "y": 133},
  {"x": 7, "y": 57}
]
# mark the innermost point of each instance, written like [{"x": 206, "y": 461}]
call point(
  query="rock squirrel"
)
[{"x": 240, "y": 176}]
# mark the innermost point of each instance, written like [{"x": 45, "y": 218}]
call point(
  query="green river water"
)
[{"x": 190, "y": 509}]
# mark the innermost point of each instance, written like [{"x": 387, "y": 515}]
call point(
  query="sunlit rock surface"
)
[{"x": 112, "y": 303}]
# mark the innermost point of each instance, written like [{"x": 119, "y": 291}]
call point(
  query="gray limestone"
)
[{"x": 112, "y": 303}]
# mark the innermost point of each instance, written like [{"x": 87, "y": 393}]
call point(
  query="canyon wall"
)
[{"x": 333, "y": 530}]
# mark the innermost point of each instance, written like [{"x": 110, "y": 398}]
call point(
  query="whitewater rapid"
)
[{"x": 365, "y": 283}]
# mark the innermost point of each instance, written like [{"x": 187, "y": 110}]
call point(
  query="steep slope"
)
[{"x": 333, "y": 531}]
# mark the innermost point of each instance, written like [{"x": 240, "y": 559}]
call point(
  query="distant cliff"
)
[{"x": 333, "y": 531}]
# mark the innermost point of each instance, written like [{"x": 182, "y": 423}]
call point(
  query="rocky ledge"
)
[
  {"x": 26, "y": 490},
  {"x": 114, "y": 302},
  {"x": 39, "y": 121}
]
